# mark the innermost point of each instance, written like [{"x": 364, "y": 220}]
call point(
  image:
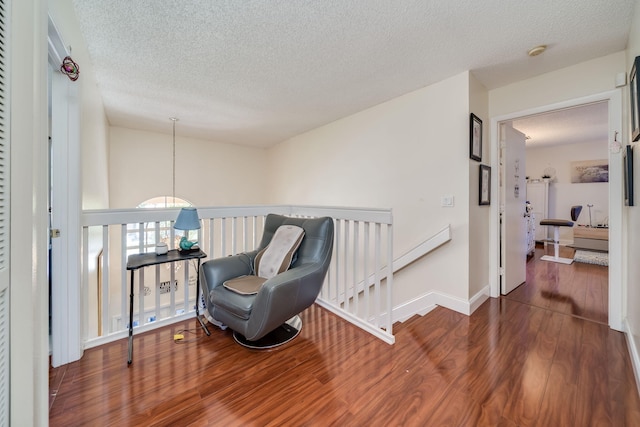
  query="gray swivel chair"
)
[{"x": 269, "y": 317}]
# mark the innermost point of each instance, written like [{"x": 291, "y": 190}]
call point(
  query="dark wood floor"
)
[
  {"x": 578, "y": 289},
  {"x": 510, "y": 363}
]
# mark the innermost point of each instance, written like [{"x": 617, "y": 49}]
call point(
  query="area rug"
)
[{"x": 591, "y": 257}]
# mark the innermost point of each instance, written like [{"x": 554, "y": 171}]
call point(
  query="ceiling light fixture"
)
[{"x": 537, "y": 50}]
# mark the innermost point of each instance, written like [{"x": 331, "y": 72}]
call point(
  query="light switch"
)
[{"x": 447, "y": 201}]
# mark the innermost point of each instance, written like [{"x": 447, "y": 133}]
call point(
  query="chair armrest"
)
[{"x": 215, "y": 272}]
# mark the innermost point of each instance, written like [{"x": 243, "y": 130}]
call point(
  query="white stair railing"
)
[{"x": 166, "y": 294}]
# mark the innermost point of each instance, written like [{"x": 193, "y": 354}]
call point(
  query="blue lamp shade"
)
[{"x": 187, "y": 220}]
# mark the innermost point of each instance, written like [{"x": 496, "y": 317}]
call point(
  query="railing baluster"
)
[
  {"x": 367, "y": 305},
  {"x": 211, "y": 246},
  {"x": 186, "y": 287},
  {"x": 255, "y": 233},
  {"x": 223, "y": 235},
  {"x": 85, "y": 279},
  {"x": 354, "y": 284},
  {"x": 157, "y": 278},
  {"x": 389, "y": 325},
  {"x": 124, "y": 277},
  {"x": 233, "y": 235},
  {"x": 346, "y": 264},
  {"x": 377, "y": 275},
  {"x": 337, "y": 257},
  {"x": 140, "y": 293},
  {"x": 172, "y": 289}
]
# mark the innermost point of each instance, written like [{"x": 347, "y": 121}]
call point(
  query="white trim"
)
[
  {"x": 634, "y": 352},
  {"x": 614, "y": 101},
  {"x": 95, "y": 342},
  {"x": 373, "y": 330},
  {"x": 427, "y": 302}
]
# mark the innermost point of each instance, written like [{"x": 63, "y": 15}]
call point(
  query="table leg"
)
[
  {"x": 130, "y": 359},
  {"x": 206, "y": 331}
]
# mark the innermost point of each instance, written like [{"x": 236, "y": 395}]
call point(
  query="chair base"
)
[
  {"x": 557, "y": 259},
  {"x": 279, "y": 336}
]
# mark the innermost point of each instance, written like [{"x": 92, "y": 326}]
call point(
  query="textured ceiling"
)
[
  {"x": 587, "y": 123},
  {"x": 258, "y": 72}
]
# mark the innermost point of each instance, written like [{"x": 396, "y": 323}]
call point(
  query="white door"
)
[
  {"x": 66, "y": 197},
  {"x": 514, "y": 223}
]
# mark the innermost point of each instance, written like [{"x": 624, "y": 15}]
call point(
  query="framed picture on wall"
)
[
  {"x": 475, "y": 138},
  {"x": 628, "y": 176},
  {"x": 635, "y": 99},
  {"x": 485, "y": 185}
]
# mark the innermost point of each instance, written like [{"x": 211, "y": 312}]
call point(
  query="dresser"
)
[{"x": 592, "y": 238}]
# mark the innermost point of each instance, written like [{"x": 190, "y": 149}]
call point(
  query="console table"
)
[{"x": 137, "y": 261}]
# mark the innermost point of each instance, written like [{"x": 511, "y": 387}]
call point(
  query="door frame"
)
[{"x": 616, "y": 261}]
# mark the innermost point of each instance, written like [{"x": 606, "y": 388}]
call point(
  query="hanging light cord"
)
[{"x": 173, "y": 193}]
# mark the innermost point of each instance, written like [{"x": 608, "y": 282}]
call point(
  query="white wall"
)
[
  {"x": 404, "y": 154},
  {"x": 587, "y": 78},
  {"x": 562, "y": 193},
  {"x": 207, "y": 173},
  {"x": 94, "y": 128},
  {"x": 479, "y": 216},
  {"x": 632, "y": 214}
]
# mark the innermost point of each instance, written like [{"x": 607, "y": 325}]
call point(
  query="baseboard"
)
[
  {"x": 634, "y": 352},
  {"x": 425, "y": 303}
]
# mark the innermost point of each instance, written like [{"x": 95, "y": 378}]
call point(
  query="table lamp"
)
[{"x": 187, "y": 220}]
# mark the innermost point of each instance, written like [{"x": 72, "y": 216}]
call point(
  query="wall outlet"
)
[{"x": 165, "y": 287}]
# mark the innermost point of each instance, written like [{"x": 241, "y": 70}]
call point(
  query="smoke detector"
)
[{"x": 537, "y": 50}]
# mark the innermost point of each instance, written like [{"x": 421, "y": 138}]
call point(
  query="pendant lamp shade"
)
[{"x": 187, "y": 220}]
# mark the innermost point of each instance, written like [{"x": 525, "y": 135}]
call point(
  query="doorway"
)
[
  {"x": 566, "y": 159},
  {"x": 611, "y": 214}
]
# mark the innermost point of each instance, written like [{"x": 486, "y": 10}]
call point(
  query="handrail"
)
[
  {"x": 429, "y": 245},
  {"x": 424, "y": 248},
  {"x": 98, "y": 217}
]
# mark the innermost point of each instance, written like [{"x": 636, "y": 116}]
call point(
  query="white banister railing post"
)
[
  {"x": 356, "y": 246},
  {"x": 124, "y": 289},
  {"x": 389, "y": 323},
  {"x": 367, "y": 242}
]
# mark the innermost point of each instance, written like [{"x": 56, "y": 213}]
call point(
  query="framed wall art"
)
[
  {"x": 635, "y": 100},
  {"x": 475, "y": 138},
  {"x": 628, "y": 176},
  {"x": 485, "y": 185}
]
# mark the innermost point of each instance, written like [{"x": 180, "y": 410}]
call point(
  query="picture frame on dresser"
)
[
  {"x": 485, "y": 185},
  {"x": 475, "y": 137},
  {"x": 634, "y": 92},
  {"x": 628, "y": 176}
]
